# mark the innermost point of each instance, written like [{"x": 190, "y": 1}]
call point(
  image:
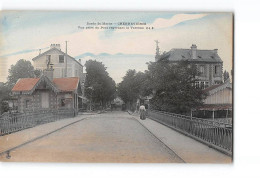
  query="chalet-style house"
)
[
  {"x": 47, "y": 93},
  {"x": 208, "y": 63},
  {"x": 63, "y": 66}
]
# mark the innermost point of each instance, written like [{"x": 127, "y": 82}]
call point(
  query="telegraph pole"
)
[
  {"x": 157, "y": 54},
  {"x": 66, "y": 61}
]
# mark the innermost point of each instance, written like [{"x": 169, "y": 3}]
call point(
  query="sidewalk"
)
[
  {"x": 190, "y": 150},
  {"x": 20, "y": 137}
]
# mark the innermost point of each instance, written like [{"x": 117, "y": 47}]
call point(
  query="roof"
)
[
  {"x": 66, "y": 84},
  {"x": 211, "y": 88},
  {"x": 25, "y": 84},
  {"x": 176, "y": 55},
  {"x": 28, "y": 85},
  {"x": 215, "y": 88},
  {"x": 54, "y": 48}
]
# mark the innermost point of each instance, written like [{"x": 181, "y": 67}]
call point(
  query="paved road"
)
[{"x": 110, "y": 137}]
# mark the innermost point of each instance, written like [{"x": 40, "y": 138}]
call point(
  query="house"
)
[
  {"x": 47, "y": 93},
  {"x": 208, "y": 63},
  {"x": 63, "y": 65},
  {"x": 218, "y": 103}
]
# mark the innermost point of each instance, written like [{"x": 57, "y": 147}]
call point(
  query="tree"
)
[
  {"x": 22, "y": 69},
  {"x": 99, "y": 87},
  {"x": 173, "y": 86},
  {"x": 4, "y": 95},
  {"x": 225, "y": 75},
  {"x": 132, "y": 87}
]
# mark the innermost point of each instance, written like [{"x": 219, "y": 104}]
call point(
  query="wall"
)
[
  {"x": 74, "y": 69},
  {"x": 35, "y": 100},
  {"x": 209, "y": 73},
  {"x": 221, "y": 97}
]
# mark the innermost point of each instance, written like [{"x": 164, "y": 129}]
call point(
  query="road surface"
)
[{"x": 110, "y": 137}]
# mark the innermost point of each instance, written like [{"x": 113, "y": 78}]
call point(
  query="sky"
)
[{"x": 23, "y": 33}]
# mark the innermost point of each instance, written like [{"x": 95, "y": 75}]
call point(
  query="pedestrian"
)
[{"x": 142, "y": 112}]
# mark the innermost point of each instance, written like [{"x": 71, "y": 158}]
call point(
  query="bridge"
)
[{"x": 116, "y": 137}]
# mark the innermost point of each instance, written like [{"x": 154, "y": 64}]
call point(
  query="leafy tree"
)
[
  {"x": 99, "y": 86},
  {"x": 173, "y": 86},
  {"x": 225, "y": 75},
  {"x": 22, "y": 69},
  {"x": 133, "y": 86},
  {"x": 4, "y": 95}
]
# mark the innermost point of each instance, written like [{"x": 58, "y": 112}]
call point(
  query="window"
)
[
  {"x": 197, "y": 84},
  {"x": 216, "y": 70},
  {"x": 202, "y": 86},
  {"x": 202, "y": 70},
  {"x": 62, "y": 102},
  {"x": 27, "y": 103},
  {"x": 61, "y": 58},
  {"x": 206, "y": 84}
]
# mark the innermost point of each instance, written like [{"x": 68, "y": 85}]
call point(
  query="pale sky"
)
[{"x": 23, "y": 33}]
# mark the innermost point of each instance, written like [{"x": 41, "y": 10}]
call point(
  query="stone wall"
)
[{"x": 40, "y": 98}]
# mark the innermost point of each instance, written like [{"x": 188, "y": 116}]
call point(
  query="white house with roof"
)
[{"x": 63, "y": 64}]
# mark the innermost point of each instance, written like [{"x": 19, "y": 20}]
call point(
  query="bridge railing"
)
[
  {"x": 13, "y": 122},
  {"x": 215, "y": 134}
]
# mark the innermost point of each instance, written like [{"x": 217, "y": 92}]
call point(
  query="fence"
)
[
  {"x": 215, "y": 134},
  {"x": 18, "y": 121}
]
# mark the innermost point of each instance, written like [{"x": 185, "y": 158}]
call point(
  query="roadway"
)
[{"x": 110, "y": 137}]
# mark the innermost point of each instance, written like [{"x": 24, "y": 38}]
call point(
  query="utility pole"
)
[
  {"x": 66, "y": 61},
  {"x": 157, "y": 54}
]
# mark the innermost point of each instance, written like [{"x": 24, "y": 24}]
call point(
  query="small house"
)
[{"x": 47, "y": 93}]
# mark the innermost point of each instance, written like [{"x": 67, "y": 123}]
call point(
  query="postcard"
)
[{"x": 116, "y": 87}]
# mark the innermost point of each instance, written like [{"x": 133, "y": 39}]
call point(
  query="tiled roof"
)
[
  {"x": 185, "y": 54},
  {"x": 62, "y": 84},
  {"x": 66, "y": 84},
  {"x": 25, "y": 84}
]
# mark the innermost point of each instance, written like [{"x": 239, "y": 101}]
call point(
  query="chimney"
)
[
  {"x": 49, "y": 73},
  {"x": 193, "y": 51},
  {"x": 80, "y": 61},
  {"x": 216, "y": 51},
  {"x": 57, "y": 46}
]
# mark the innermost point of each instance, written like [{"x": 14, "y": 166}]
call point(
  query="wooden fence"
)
[
  {"x": 215, "y": 134},
  {"x": 18, "y": 121}
]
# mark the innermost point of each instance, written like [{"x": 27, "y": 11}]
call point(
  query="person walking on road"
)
[{"x": 142, "y": 112}]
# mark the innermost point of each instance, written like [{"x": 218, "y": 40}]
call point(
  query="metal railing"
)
[
  {"x": 215, "y": 134},
  {"x": 13, "y": 122}
]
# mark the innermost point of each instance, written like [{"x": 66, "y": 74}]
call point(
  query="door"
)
[{"x": 45, "y": 100}]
